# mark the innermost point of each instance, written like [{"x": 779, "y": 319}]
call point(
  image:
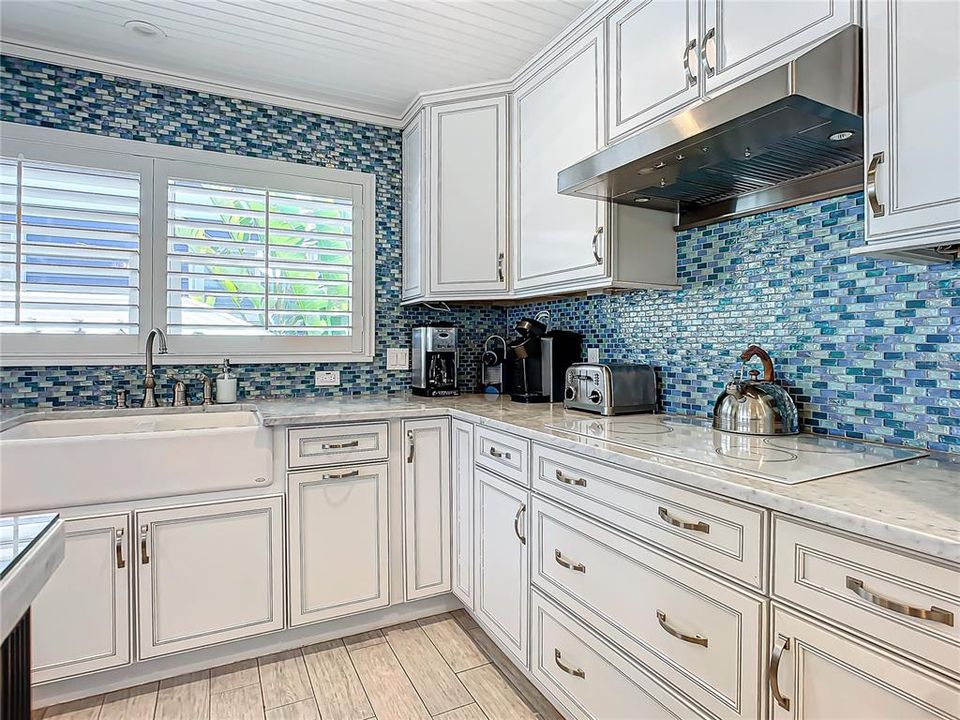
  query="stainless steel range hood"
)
[{"x": 791, "y": 135}]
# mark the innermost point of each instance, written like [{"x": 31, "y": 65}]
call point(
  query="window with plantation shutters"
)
[
  {"x": 102, "y": 239},
  {"x": 254, "y": 261},
  {"x": 70, "y": 244}
]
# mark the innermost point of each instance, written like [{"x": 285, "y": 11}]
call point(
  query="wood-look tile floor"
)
[{"x": 441, "y": 667}]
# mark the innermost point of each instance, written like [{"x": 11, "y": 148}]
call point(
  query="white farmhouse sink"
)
[{"x": 60, "y": 459}]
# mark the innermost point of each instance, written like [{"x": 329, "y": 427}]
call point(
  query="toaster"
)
[{"x": 610, "y": 389}]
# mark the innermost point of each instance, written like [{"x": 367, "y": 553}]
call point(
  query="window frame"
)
[{"x": 156, "y": 163}]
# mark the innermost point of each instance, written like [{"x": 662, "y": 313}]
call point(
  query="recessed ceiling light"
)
[
  {"x": 144, "y": 28},
  {"x": 842, "y": 135}
]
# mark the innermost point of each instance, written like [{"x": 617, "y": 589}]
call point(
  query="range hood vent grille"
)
[{"x": 791, "y": 135}]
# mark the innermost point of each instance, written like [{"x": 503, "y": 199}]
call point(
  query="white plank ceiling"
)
[{"x": 372, "y": 56}]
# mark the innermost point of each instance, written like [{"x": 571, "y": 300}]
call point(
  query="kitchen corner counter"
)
[
  {"x": 31, "y": 548},
  {"x": 914, "y": 505}
]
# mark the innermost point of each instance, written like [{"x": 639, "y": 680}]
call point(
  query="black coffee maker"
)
[{"x": 540, "y": 360}]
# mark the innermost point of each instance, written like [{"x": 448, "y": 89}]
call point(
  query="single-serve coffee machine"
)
[
  {"x": 540, "y": 360},
  {"x": 435, "y": 360}
]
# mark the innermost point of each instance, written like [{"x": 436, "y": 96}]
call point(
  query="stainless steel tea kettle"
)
[{"x": 755, "y": 406}]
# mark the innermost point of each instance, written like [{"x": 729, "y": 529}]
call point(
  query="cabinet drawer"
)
[
  {"x": 329, "y": 444},
  {"x": 721, "y": 535},
  {"x": 503, "y": 453},
  {"x": 870, "y": 589},
  {"x": 699, "y": 634},
  {"x": 590, "y": 679}
]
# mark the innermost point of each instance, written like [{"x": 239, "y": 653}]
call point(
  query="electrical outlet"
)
[
  {"x": 326, "y": 378},
  {"x": 398, "y": 358},
  {"x": 593, "y": 355}
]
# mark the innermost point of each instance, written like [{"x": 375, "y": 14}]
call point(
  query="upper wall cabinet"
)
[
  {"x": 651, "y": 74},
  {"x": 567, "y": 244},
  {"x": 742, "y": 37},
  {"x": 468, "y": 198},
  {"x": 455, "y": 202},
  {"x": 913, "y": 143},
  {"x": 414, "y": 211}
]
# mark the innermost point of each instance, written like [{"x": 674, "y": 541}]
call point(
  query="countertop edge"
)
[{"x": 25, "y": 579}]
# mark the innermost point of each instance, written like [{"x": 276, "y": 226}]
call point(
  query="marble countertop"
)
[
  {"x": 914, "y": 504},
  {"x": 31, "y": 548}
]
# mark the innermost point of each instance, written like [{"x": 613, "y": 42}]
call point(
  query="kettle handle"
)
[{"x": 758, "y": 352}]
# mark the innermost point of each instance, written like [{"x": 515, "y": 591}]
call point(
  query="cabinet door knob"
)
[
  {"x": 144, "y": 557},
  {"x": 875, "y": 205},
  {"x": 595, "y": 245},
  {"x": 516, "y": 524},
  {"x": 773, "y": 672},
  {"x": 711, "y": 35},
  {"x": 121, "y": 563},
  {"x": 576, "y": 672},
  {"x": 691, "y": 78}
]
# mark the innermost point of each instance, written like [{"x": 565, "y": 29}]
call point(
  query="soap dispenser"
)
[{"x": 226, "y": 384}]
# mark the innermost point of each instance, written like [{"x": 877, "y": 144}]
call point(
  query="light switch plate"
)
[
  {"x": 593, "y": 355},
  {"x": 398, "y": 358},
  {"x": 327, "y": 378}
]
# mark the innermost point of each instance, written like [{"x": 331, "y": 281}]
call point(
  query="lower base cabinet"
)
[
  {"x": 208, "y": 573},
  {"x": 818, "y": 674},
  {"x": 338, "y": 542},
  {"x": 81, "y": 617},
  {"x": 588, "y": 677},
  {"x": 461, "y": 443},
  {"x": 502, "y": 567}
]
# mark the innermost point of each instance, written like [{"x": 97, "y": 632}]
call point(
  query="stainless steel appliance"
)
[
  {"x": 435, "y": 359},
  {"x": 610, "y": 389},
  {"x": 757, "y": 406},
  {"x": 787, "y": 459},
  {"x": 494, "y": 368},
  {"x": 539, "y": 360},
  {"x": 794, "y": 133}
]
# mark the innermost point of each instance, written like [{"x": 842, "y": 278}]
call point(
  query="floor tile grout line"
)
[
  {"x": 313, "y": 689},
  {"x": 360, "y": 679},
  {"x": 455, "y": 672},
  {"x": 410, "y": 679}
]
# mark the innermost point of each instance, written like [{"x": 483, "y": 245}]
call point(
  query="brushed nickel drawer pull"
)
[
  {"x": 875, "y": 205},
  {"x": 773, "y": 672},
  {"x": 695, "y": 639},
  {"x": 497, "y": 454},
  {"x": 341, "y": 476},
  {"x": 934, "y": 614},
  {"x": 697, "y": 526},
  {"x": 691, "y": 46},
  {"x": 580, "y": 482},
  {"x": 340, "y": 446},
  {"x": 121, "y": 563},
  {"x": 576, "y": 672},
  {"x": 594, "y": 245},
  {"x": 569, "y": 564},
  {"x": 711, "y": 35},
  {"x": 516, "y": 524},
  {"x": 144, "y": 557}
]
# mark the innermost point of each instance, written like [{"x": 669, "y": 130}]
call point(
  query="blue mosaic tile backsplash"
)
[
  {"x": 868, "y": 348},
  {"x": 37, "y": 93}
]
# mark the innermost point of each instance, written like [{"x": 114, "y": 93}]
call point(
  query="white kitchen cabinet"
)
[
  {"x": 559, "y": 120},
  {"x": 208, "y": 573},
  {"x": 462, "y": 459},
  {"x": 413, "y": 220},
  {"x": 743, "y": 38},
  {"x": 818, "y": 674},
  {"x": 568, "y": 244},
  {"x": 912, "y": 152},
  {"x": 654, "y": 63},
  {"x": 81, "y": 617},
  {"x": 338, "y": 542},
  {"x": 426, "y": 507},
  {"x": 468, "y": 198},
  {"x": 501, "y": 594}
]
